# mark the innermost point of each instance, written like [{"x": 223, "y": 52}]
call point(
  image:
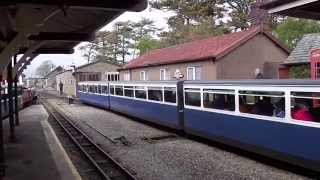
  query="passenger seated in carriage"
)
[
  {"x": 301, "y": 112},
  {"x": 263, "y": 106},
  {"x": 279, "y": 108}
]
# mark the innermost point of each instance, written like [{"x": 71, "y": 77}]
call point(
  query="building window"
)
[
  {"x": 94, "y": 77},
  {"x": 194, "y": 73},
  {"x": 82, "y": 77},
  {"x": 126, "y": 76},
  {"x": 143, "y": 76},
  {"x": 112, "y": 76},
  {"x": 164, "y": 75}
]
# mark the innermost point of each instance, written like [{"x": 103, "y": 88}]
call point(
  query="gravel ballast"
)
[{"x": 171, "y": 158}]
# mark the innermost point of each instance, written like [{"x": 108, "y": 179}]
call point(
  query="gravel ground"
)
[{"x": 173, "y": 158}]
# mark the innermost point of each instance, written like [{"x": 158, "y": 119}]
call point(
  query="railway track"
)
[{"x": 104, "y": 165}]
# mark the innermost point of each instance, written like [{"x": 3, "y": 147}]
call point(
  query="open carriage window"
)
[
  {"x": 192, "y": 97},
  {"x": 305, "y": 106},
  {"x": 219, "y": 99},
  {"x": 155, "y": 93},
  {"x": 104, "y": 90},
  {"x": 128, "y": 91},
  {"x": 140, "y": 92},
  {"x": 170, "y": 94},
  {"x": 119, "y": 90},
  {"x": 266, "y": 103},
  {"x": 91, "y": 89}
]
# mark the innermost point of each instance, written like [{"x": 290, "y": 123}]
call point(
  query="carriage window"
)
[
  {"x": 112, "y": 89},
  {"x": 219, "y": 99},
  {"x": 305, "y": 106},
  {"x": 192, "y": 97},
  {"x": 266, "y": 103},
  {"x": 170, "y": 94},
  {"x": 155, "y": 93},
  {"x": 99, "y": 89},
  {"x": 119, "y": 90},
  {"x": 91, "y": 89},
  {"x": 128, "y": 91},
  {"x": 104, "y": 89},
  {"x": 140, "y": 92}
]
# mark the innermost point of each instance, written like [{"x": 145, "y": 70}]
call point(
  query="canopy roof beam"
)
[
  {"x": 56, "y": 36},
  {"x": 22, "y": 37},
  {"x": 24, "y": 66},
  {"x": 48, "y": 51},
  {"x": 96, "y": 4},
  {"x": 27, "y": 54}
]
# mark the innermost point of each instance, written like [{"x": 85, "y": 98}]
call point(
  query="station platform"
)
[{"x": 37, "y": 153}]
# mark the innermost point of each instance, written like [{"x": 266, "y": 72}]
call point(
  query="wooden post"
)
[
  {"x": 16, "y": 102},
  {"x": 10, "y": 97}
]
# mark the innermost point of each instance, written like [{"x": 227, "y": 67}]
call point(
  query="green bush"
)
[{"x": 300, "y": 72}]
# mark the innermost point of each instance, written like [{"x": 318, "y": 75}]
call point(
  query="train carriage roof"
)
[
  {"x": 264, "y": 82},
  {"x": 145, "y": 82}
]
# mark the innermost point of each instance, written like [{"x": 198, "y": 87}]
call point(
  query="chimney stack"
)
[{"x": 259, "y": 17}]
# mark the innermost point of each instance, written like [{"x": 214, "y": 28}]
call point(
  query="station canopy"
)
[
  {"x": 32, "y": 27},
  {"x": 309, "y": 9}
]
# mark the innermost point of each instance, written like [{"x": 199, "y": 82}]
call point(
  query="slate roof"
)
[
  {"x": 301, "y": 53},
  {"x": 209, "y": 48},
  {"x": 99, "y": 61},
  {"x": 57, "y": 69}
]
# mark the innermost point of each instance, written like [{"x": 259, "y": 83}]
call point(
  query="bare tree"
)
[{"x": 45, "y": 68}]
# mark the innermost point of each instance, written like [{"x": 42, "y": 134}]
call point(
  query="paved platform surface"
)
[
  {"x": 36, "y": 154},
  {"x": 176, "y": 158}
]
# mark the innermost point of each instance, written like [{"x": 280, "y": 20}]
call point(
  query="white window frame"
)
[
  {"x": 164, "y": 74},
  {"x": 143, "y": 77},
  {"x": 193, "y": 68},
  {"x": 126, "y": 76},
  {"x": 114, "y": 74}
]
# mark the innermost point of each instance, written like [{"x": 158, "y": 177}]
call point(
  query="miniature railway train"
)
[
  {"x": 25, "y": 98},
  {"x": 275, "y": 118}
]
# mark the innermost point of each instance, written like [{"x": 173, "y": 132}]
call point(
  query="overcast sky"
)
[{"x": 159, "y": 17}]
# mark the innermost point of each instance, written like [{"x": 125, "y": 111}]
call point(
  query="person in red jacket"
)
[{"x": 302, "y": 113}]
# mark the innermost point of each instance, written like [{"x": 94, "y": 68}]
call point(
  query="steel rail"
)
[{"x": 106, "y": 166}]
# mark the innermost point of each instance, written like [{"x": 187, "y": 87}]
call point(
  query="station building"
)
[
  {"x": 50, "y": 78},
  {"x": 95, "y": 71},
  {"x": 239, "y": 55},
  {"x": 98, "y": 71}
]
